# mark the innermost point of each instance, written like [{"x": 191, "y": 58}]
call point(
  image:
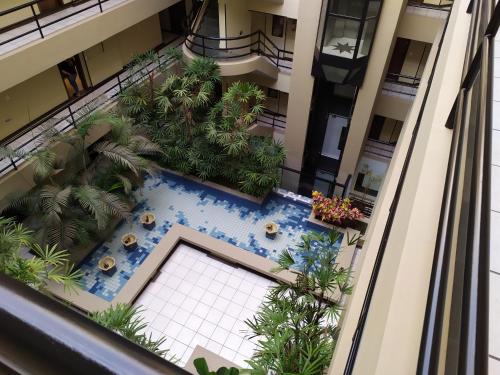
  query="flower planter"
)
[
  {"x": 107, "y": 265},
  {"x": 341, "y": 224},
  {"x": 129, "y": 241},
  {"x": 271, "y": 230},
  {"x": 335, "y": 211},
  {"x": 148, "y": 220}
]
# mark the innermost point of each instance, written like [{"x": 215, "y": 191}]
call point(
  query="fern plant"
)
[
  {"x": 49, "y": 265},
  {"x": 128, "y": 322}
]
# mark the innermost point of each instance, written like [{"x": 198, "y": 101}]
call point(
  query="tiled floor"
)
[
  {"x": 32, "y": 33},
  {"x": 175, "y": 199},
  {"x": 494, "y": 339},
  {"x": 197, "y": 300}
]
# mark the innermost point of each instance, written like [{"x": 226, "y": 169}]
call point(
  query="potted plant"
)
[
  {"x": 129, "y": 241},
  {"x": 107, "y": 265},
  {"x": 271, "y": 230},
  {"x": 148, "y": 220},
  {"x": 337, "y": 211}
]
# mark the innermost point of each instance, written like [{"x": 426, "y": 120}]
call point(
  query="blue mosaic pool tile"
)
[{"x": 174, "y": 199}]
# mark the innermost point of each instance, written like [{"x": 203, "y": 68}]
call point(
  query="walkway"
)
[{"x": 29, "y": 32}]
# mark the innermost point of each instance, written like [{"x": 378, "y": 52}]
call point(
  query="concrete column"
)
[
  {"x": 391, "y": 338},
  {"x": 301, "y": 82},
  {"x": 390, "y": 15}
]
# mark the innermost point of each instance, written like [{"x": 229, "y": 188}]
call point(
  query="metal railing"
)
[
  {"x": 303, "y": 183},
  {"x": 239, "y": 46},
  {"x": 272, "y": 119},
  {"x": 65, "y": 117},
  {"x": 403, "y": 79},
  {"x": 442, "y": 4},
  {"x": 43, "y": 336},
  {"x": 37, "y": 18}
]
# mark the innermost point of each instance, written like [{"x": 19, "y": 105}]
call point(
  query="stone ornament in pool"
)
[{"x": 174, "y": 199}]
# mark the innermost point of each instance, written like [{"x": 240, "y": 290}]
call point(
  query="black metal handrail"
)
[
  {"x": 273, "y": 119},
  {"x": 442, "y": 5},
  {"x": 259, "y": 43},
  {"x": 403, "y": 79},
  {"x": 121, "y": 79},
  {"x": 300, "y": 175},
  {"x": 36, "y": 18},
  {"x": 42, "y": 336}
]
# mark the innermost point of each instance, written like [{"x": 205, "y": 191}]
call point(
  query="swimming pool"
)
[{"x": 175, "y": 199}]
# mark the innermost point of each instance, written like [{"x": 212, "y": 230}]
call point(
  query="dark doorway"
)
[
  {"x": 49, "y": 6},
  {"x": 73, "y": 76},
  {"x": 398, "y": 56},
  {"x": 326, "y": 135},
  {"x": 173, "y": 20}
]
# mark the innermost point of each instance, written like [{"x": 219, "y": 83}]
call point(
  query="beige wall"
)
[
  {"x": 391, "y": 339},
  {"x": 367, "y": 95},
  {"x": 25, "y": 102},
  {"x": 392, "y": 106},
  {"x": 301, "y": 82},
  {"x": 418, "y": 27},
  {"x": 289, "y": 8},
  {"x": 38, "y": 56},
  {"x": 29, "y": 100},
  {"x": 110, "y": 56}
]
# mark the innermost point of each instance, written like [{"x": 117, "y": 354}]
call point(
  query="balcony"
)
[
  {"x": 34, "y": 43},
  {"x": 236, "y": 55},
  {"x": 29, "y": 22},
  {"x": 406, "y": 67}
]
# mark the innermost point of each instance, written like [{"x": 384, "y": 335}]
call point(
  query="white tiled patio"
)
[
  {"x": 200, "y": 300},
  {"x": 32, "y": 33}
]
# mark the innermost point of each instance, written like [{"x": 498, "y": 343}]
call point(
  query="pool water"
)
[{"x": 175, "y": 199}]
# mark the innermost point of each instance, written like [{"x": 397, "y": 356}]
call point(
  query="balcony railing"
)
[
  {"x": 256, "y": 43},
  {"x": 65, "y": 117},
  {"x": 272, "y": 119},
  {"x": 401, "y": 84},
  {"x": 433, "y": 4},
  {"x": 42, "y": 336},
  {"x": 35, "y": 25}
]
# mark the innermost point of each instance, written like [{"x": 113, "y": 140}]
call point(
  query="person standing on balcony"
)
[{"x": 69, "y": 72}]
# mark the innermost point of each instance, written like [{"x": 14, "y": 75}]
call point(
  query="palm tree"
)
[
  {"x": 128, "y": 322},
  {"x": 66, "y": 215},
  {"x": 296, "y": 326},
  {"x": 183, "y": 100},
  {"x": 49, "y": 264},
  {"x": 230, "y": 119}
]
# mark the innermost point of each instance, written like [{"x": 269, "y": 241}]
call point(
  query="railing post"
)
[
  {"x": 119, "y": 82},
  {"x": 36, "y": 20},
  {"x": 13, "y": 163},
  {"x": 100, "y": 5},
  {"x": 258, "y": 43},
  {"x": 72, "y": 117}
]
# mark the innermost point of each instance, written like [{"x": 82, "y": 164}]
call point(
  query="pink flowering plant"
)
[{"x": 334, "y": 210}]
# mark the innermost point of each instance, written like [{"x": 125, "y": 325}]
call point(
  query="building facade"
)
[{"x": 360, "y": 93}]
